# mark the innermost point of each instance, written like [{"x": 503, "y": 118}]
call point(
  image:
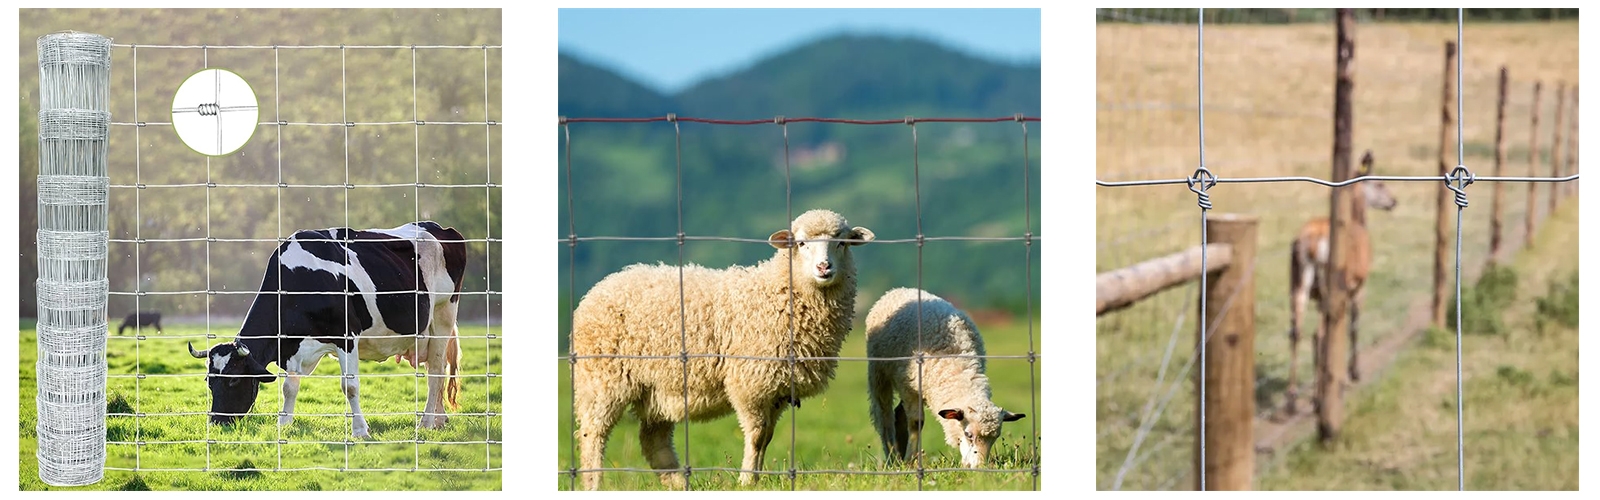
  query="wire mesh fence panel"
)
[
  {"x": 189, "y": 237},
  {"x": 688, "y": 349},
  {"x": 1264, "y": 123}
]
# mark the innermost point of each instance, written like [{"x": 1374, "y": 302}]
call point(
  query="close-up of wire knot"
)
[
  {"x": 1457, "y": 181},
  {"x": 1201, "y": 181},
  {"x": 208, "y": 109}
]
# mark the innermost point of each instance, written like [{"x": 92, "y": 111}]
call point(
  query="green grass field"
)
[
  {"x": 1269, "y": 96},
  {"x": 1521, "y": 406},
  {"x": 834, "y": 432},
  {"x": 160, "y": 356}
]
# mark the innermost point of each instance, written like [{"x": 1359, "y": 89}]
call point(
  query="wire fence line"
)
[
  {"x": 1457, "y": 180},
  {"x": 489, "y": 441},
  {"x": 793, "y": 472}
]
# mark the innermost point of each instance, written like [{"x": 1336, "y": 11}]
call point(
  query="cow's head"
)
[
  {"x": 980, "y": 428},
  {"x": 825, "y": 262},
  {"x": 234, "y": 378}
]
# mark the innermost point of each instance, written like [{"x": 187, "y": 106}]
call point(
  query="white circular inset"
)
[{"x": 215, "y": 112}]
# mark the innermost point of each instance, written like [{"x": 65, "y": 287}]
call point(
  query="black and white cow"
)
[{"x": 353, "y": 319}]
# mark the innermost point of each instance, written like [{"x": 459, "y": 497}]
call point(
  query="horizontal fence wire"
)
[
  {"x": 1313, "y": 180},
  {"x": 572, "y": 240},
  {"x": 139, "y": 242}
]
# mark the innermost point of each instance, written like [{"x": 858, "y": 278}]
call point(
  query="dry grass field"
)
[{"x": 1269, "y": 100}]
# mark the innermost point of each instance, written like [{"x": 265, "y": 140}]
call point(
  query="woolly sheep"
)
[
  {"x": 741, "y": 311},
  {"x": 956, "y": 389}
]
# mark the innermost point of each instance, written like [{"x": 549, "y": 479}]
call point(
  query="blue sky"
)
[{"x": 669, "y": 49}]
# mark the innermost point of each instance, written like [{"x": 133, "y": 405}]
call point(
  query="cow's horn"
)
[
  {"x": 196, "y": 354},
  {"x": 242, "y": 349}
]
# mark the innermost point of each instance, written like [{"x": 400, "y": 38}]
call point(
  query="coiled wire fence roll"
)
[{"x": 74, "y": 119}]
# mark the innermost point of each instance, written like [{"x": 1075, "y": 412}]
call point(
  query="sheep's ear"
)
[
  {"x": 781, "y": 239},
  {"x": 950, "y": 414},
  {"x": 861, "y": 235},
  {"x": 1012, "y": 417}
]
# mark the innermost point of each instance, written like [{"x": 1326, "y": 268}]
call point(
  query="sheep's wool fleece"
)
[
  {"x": 946, "y": 382},
  {"x": 740, "y": 310}
]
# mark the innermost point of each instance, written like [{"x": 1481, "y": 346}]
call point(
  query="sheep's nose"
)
[{"x": 824, "y": 267}]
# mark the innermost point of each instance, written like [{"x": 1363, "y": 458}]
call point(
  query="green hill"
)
[{"x": 971, "y": 174}]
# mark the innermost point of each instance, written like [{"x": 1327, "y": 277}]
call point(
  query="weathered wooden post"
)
[
  {"x": 1499, "y": 162},
  {"x": 1572, "y": 148},
  {"x": 1533, "y": 171},
  {"x": 1230, "y": 375},
  {"x": 1333, "y": 337},
  {"x": 1555, "y": 147},
  {"x": 1443, "y": 238}
]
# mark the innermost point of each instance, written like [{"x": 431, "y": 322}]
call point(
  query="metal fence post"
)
[{"x": 73, "y": 184}]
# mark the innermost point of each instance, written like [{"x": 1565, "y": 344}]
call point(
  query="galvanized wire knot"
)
[
  {"x": 208, "y": 109},
  {"x": 1457, "y": 181},
  {"x": 1204, "y": 180}
]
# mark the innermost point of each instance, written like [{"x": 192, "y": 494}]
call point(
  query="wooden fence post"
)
[
  {"x": 1499, "y": 164},
  {"x": 1570, "y": 188},
  {"x": 1533, "y": 170},
  {"x": 1332, "y": 341},
  {"x": 1555, "y": 147},
  {"x": 1230, "y": 375},
  {"x": 1443, "y": 238}
]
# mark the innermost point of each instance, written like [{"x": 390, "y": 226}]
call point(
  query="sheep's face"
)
[
  {"x": 821, "y": 245},
  {"x": 980, "y": 428}
]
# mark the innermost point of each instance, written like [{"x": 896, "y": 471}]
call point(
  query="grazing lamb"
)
[
  {"x": 955, "y": 388},
  {"x": 741, "y": 311}
]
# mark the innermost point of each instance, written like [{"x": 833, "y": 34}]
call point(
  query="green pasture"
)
[
  {"x": 833, "y": 431},
  {"x": 157, "y": 393}
]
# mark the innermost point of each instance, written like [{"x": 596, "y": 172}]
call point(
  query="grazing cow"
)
[
  {"x": 141, "y": 318},
  {"x": 1308, "y": 268},
  {"x": 355, "y": 317}
]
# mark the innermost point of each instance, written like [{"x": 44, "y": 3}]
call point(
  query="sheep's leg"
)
[
  {"x": 597, "y": 414},
  {"x": 901, "y": 433},
  {"x": 758, "y": 421},
  {"x": 912, "y": 408},
  {"x": 655, "y": 439},
  {"x": 885, "y": 418}
]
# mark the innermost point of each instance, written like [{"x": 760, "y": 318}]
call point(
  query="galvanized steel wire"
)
[{"x": 792, "y": 471}]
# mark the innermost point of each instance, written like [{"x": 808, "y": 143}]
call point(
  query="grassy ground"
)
[
  {"x": 1521, "y": 407},
  {"x": 157, "y": 355},
  {"x": 835, "y": 432},
  {"x": 1269, "y": 93}
]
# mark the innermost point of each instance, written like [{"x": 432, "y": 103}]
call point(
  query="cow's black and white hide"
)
[{"x": 339, "y": 301}]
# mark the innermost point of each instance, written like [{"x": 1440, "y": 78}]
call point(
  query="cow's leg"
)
[
  {"x": 350, "y": 370},
  {"x": 441, "y": 366},
  {"x": 291, "y": 385},
  {"x": 758, "y": 419},
  {"x": 1301, "y": 277},
  {"x": 655, "y": 439},
  {"x": 1355, "y": 323}
]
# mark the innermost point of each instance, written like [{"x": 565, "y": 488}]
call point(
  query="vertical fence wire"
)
[
  {"x": 788, "y": 207},
  {"x": 683, "y": 313},
  {"x": 346, "y": 373},
  {"x": 138, "y": 276},
  {"x": 1461, "y": 206},
  {"x": 73, "y": 188},
  {"x": 1205, "y": 204},
  {"x": 205, "y": 62},
  {"x": 1027, "y": 294},
  {"x": 916, "y": 178},
  {"x": 277, "y": 118},
  {"x": 572, "y": 312},
  {"x": 416, "y": 215},
  {"x": 488, "y": 280}
]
